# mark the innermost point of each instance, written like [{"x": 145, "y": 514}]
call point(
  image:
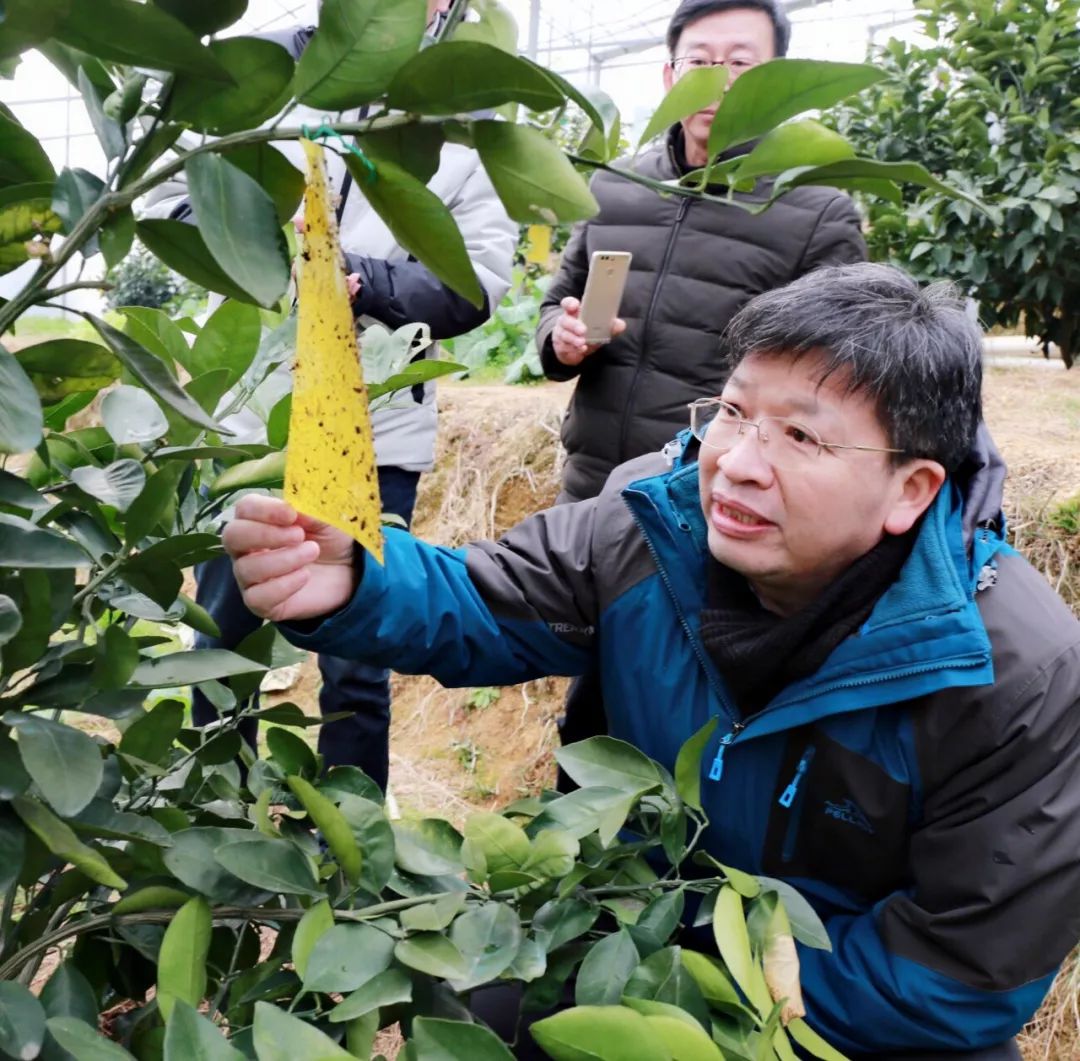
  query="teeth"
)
[{"x": 739, "y": 517}]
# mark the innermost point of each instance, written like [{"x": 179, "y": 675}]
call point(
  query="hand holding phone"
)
[{"x": 575, "y": 336}]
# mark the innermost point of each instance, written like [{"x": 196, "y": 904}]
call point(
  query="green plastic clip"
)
[{"x": 325, "y": 132}]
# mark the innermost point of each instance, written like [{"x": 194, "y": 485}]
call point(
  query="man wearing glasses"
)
[
  {"x": 819, "y": 564},
  {"x": 695, "y": 263}
]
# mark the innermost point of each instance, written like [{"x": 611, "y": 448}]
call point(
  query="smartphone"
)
[{"x": 604, "y": 286}]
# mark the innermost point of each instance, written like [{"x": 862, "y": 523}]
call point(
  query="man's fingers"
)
[
  {"x": 267, "y": 599},
  {"x": 253, "y": 568},
  {"x": 570, "y": 305},
  {"x": 243, "y": 536},
  {"x": 618, "y": 326},
  {"x": 265, "y": 510}
]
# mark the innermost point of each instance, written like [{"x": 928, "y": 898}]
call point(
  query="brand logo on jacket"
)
[{"x": 850, "y": 812}]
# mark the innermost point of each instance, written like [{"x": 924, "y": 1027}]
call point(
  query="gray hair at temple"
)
[{"x": 915, "y": 351}]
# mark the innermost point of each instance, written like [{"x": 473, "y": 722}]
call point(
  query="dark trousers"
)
[{"x": 362, "y": 739}]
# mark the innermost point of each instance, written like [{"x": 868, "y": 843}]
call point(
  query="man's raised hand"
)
[
  {"x": 288, "y": 566},
  {"x": 568, "y": 335}
]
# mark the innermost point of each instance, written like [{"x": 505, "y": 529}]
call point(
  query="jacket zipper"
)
[
  {"x": 716, "y": 771},
  {"x": 684, "y": 205},
  {"x": 793, "y": 797}
]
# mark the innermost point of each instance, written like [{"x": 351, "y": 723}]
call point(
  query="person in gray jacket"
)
[
  {"x": 695, "y": 263},
  {"x": 393, "y": 289}
]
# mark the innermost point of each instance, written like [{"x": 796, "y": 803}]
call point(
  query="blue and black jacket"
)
[{"x": 922, "y": 789}]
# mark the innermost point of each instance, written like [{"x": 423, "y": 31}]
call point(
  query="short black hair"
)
[
  {"x": 691, "y": 10},
  {"x": 915, "y": 351}
]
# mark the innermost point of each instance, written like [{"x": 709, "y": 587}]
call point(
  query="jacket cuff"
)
[{"x": 553, "y": 368}]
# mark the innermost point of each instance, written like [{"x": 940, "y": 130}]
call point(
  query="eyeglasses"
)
[
  {"x": 696, "y": 62},
  {"x": 784, "y": 443}
]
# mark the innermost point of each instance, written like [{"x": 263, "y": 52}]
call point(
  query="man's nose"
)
[{"x": 745, "y": 460}]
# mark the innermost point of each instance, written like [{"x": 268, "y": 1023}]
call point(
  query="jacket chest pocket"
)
[{"x": 836, "y": 816}]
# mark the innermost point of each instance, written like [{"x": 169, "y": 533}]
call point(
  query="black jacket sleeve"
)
[
  {"x": 398, "y": 293},
  {"x": 837, "y": 238}
]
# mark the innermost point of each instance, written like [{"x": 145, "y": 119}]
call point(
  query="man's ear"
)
[
  {"x": 918, "y": 483},
  {"x": 669, "y": 76}
]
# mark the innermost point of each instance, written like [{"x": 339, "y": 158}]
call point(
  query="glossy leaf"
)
[
  {"x": 185, "y": 668},
  {"x": 688, "y": 764},
  {"x": 693, "y": 92},
  {"x": 109, "y": 132},
  {"x": 24, "y": 545},
  {"x": 803, "y": 143},
  {"x": 414, "y": 148},
  {"x": 421, "y": 223},
  {"x": 75, "y": 193},
  {"x": 228, "y": 340},
  {"x": 135, "y": 34},
  {"x": 316, "y": 922},
  {"x": 61, "y": 841},
  {"x": 434, "y": 916},
  {"x": 451, "y": 1040},
  {"x": 387, "y": 988},
  {"x": 488, "y": 938},
  {"x": 26, "y": 214},
  {"x": 733, "y": 943},
  {"x": 62, "y": 761},
  {"x": 155, "y": 330},
  {"x": 22, "y": 1021},
  {"x": 662, "y": 977},
  {"x": 813, "y": 1043},
  {"x": 333, "y": 826},
  {"x": 192, "y": 860},
  {"x": 347, "y": 957},
  {"x": 357, "y": 49},
  {"x": 552, "y": 854},
  {"x": 83, "y": 1042},
  {"x": 248, "y": 475},
  {"x": 586, "y": 810},
  {"x": 261, "y": 70},
  {"x": 21, "y": 418},
  {"x": 149, "y": 738},
  {"x": 279, "y": 1036},
  {"x": 658, "y": 921},
  {"x": 559, "y": 921},
  {"x": 712, "y": 979},
  {"x": 10, "y": 619},
  {"x": 606, "y": 969},
  {"x": 182, "y": 958},
  {"x": 189, "y": 1036},
  {"x": 131, "y": 415},
  {"x": 766, "y": 95},
  {"x": 503, "y": 844},
  {"x": 374, "y": 836},
  {"x": 204, "y": 16},
  {"x": 151, "y": 372},
  {"x": 238, "y": 223},
  {"x": 609, "y": 762},
  {"x": 430, "y": 847},
  {"x": 686, "y": 1041},
  {"x": 806, "y": 925},
  {"x": 431, "y": 953},
  {"x": 274, "y": 173},
  {"x": 12, "y": 849},
  {"x": 274, "y": 865},
  {"x": 533, "y": 178},
  {"x": 292, "y": 753},
  {"x": 181, "y": 247},
  {"x": 604, "y": 1033},
  {"x": 22, "y": 159},
  {"x": 28, "y": 22},
  {"x": 60, "y": 367},
  {"x": 117, "y": 484}
]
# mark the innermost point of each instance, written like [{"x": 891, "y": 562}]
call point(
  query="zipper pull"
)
[
  {"x": 789, "y": 793},
  {"x": 716, "y": 771}
]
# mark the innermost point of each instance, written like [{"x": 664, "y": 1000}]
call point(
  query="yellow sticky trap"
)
[
  {"x": 538, "y": 246},
  {"x": 330, "y": 464}
]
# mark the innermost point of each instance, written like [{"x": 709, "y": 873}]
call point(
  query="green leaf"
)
[
  {"x": 347, "y": 957},
  {"x": 61, "y": 841},
  {"x": 279, "y": 1036},
  {"x": 599, "y": 1033},
  {"x": 813, "y": 1043},
  {"x": 274, "y": 173},
  {"x": 136, "y": 34},
  {"x": 82, "y": 1041},
  {"x": 416, "y": 373},
  {"x": 22, "y": 159},
  {"x": 431, "y": 953},
  {"x": 598, "y": 809},
  {"x": 186, "y": 668},
  {"x": 76, "y": 191},
  {"x": 333, "y": 826},
  {"x": 733, "y": 943},
  {"x": 684, "y": 1040},
  {"x": 117, "y": 657},
  {"x": 12, "y": 849},
  {"x": 228, "y": 340},
  {"x": 26, "y": 214},
  {"x": 22, "y": 1021},
  {"x": 24, "y": 545},
  {"x": 157, "y": 332},
  {"x": 430, "y": 847},
  {"x": 609, "y": 762},
  {"x": 421, "y": 223},
  {"x": 462, "y": 77},
  {"x": 238, "y": 222},
  {"x": 434, "y": 1039},
  {"x": 63, "y": 762},
  {"x": 10, "y": 619},
  {"x": 658, "y": 921},
  {"x": 695, "y": 91},
  {"x": 806, "y": 925},
  {"x": 61, "y": 367},
  {"x": 204, "y": 16},
  {"x": 109, "y": 132},
  {"x": 533, "y": 178},
  {"x": 277, "y": 423},
  {"x": 433, "y": 916},
  {"x": 559, "y": 921},
  {"x": 688, "y": 764},
  {"x": 357, "y": 49},
  {"x": 101, "y": 819},
  {"x": 552, "y": 854},
  {"x": 21, "y": 418},
  {"x": 261, "y": 71},
  {"x": 274, "y": 865},
  {"x": 488, "y": 938},
  {"x": 69, "y": 994},
  {"x": 503, "y": 844},
  {"x": 181, "y": 247},
  {"x": 28, "y": 22},
  {"x": 711, "y": 978},
  {"x": 152, "y": 373},
  {"x": 766, "y": 95},
  {"x": 804, "y": 143},
  {"x": 384, "y": 989},
  {"x": 606, "y": 969},
  {"x": 189, "y": 1036},
  {"x": 292, "y": 753},
  {"x": 117, "y": 484},
  {"x": 374, "y": 835},
  {"x": 131, "y": 415},
  {"x": 149, "y": 738},
  {"x": 414, "y": 148},
  {"x": 14, "y": 780},
  {"x": 662, "y": 977},
  {"x": 192, "y": 860},
  {"x": 182, "y": 958},
  {"x": 266, "y": 471},
  {"x": 316, "y": 922}
]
